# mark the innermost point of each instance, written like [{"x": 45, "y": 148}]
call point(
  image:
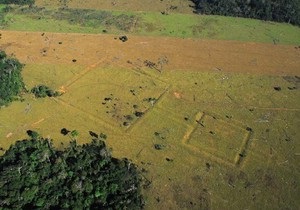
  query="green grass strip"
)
[{"x": 150, "y": 24}]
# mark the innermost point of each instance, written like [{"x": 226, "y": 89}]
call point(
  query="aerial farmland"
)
[{"x": 207, "y": 107}]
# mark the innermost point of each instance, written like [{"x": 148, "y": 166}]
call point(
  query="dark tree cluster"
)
[
  {"x": 42, "y": 91},
  {"x": 271, "y": 10},
  {"x": 34, "y": 175},
  {"x": 19, "y": 2},
  {"x": 11, "y": 81}
]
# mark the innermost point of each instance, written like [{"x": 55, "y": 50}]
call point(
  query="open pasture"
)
[
  {"x": 146, "y": 23},
  {"x": 177, "y": 6},
  {"x": 212, "y": 126}
]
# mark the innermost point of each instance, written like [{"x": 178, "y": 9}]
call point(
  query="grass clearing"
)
[
  {"x": 177, "y": 125},
  {"x": 151, "y": 24},
  {"x": 36, "y": 74},
  {"x": 174, "y": 6},
  {"x": 25, "y": 23},
  {"x": 117, "y": 98},
  {"x": 217, "y": 27},
  {"x": 238, "y": 102}
]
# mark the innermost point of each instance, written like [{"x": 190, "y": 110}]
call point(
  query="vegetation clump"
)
[
  {"x": 34, "y": 175},
  {"x": 123, "y": 38},
  {"x": 11, "y": 81},
  {"x": 42, "y": 91}
]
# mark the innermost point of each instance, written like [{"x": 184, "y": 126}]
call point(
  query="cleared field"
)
[
  {"x": 212, "y": 124},
  {"x": 177, "y": 6},
  {"x": 218, "y": 123},
  {"x": 165, "y": 53},
  {"x": 246, "y": 142},
  {"x": 143, "y": 23}
]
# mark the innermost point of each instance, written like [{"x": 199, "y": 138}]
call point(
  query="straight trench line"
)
[
  {"x": 239, "y": 159},
  {"x": 237, "y": 162},
  {"x": 84, "y": 72},
  {"x": 94, "y": 117},
  {"x": 128, "y": 130},
  {"x": 275, "y": 108},
  {"x": 246, "y": 106}
]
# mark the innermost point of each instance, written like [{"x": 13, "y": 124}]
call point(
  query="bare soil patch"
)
[{"x": 179, "y": 54}]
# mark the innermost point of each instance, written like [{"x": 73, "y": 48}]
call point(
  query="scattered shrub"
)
[
  {"x": 42, "y": 91},
  {"x": 138, "y": 114},
  {"x": 123, "y": 38}
]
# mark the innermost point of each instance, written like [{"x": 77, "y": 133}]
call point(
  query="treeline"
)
[
  {"x": 11, "y": 81},
  {"x": 272, "y": 10},
  {"x": 20, "y": 2},
  {"x": 35, "y": 175}
]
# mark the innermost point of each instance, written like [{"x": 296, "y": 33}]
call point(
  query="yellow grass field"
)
[{"x": 228, "y": 138}]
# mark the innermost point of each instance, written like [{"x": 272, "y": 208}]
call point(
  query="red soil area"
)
[{"x": 181, "y": 54}]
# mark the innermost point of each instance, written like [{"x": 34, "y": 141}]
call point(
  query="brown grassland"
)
[{"x": 220, "y": 123}]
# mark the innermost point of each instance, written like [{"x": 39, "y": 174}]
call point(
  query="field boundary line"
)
[
  {"x": 149, "y": 109},
  {"x": 105, "y": 124},
  {"x": 83, "y": 72}
]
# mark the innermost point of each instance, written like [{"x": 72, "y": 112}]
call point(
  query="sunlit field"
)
[{"x": 207, "y": 106}]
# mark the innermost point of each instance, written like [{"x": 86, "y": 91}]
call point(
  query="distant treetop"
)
[
  {"x": 19, "y": 2},
  {"x": 272, "y": 10}
]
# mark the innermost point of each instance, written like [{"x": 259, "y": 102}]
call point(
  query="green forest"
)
[
  {"x": 11, "y": 81},
  {"x": 271, "y": 10},
  {"x": 35, "y": 175}
]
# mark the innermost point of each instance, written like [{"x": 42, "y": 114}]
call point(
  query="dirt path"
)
[{"x": 181, "y": 54}]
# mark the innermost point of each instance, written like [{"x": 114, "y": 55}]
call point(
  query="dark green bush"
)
[
  {"x": 34, "y": 175},
  {"x": 11, "y": 81},
  {"x": 42, "y": 91}
]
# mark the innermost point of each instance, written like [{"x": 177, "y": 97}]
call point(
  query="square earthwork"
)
[{"x": 218, "y": 139}]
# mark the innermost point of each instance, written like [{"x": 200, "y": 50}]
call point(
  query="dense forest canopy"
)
[
  {"x": 35, "y": 175},
  {"x": 11, "y": 81},
  {"x": 20, "y": 2},
  {"x": 273, "y": 10}
]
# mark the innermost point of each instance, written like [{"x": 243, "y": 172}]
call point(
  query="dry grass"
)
[
  {"x": 177, "y": 6},
  {"x": 225, "y": 132}
]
